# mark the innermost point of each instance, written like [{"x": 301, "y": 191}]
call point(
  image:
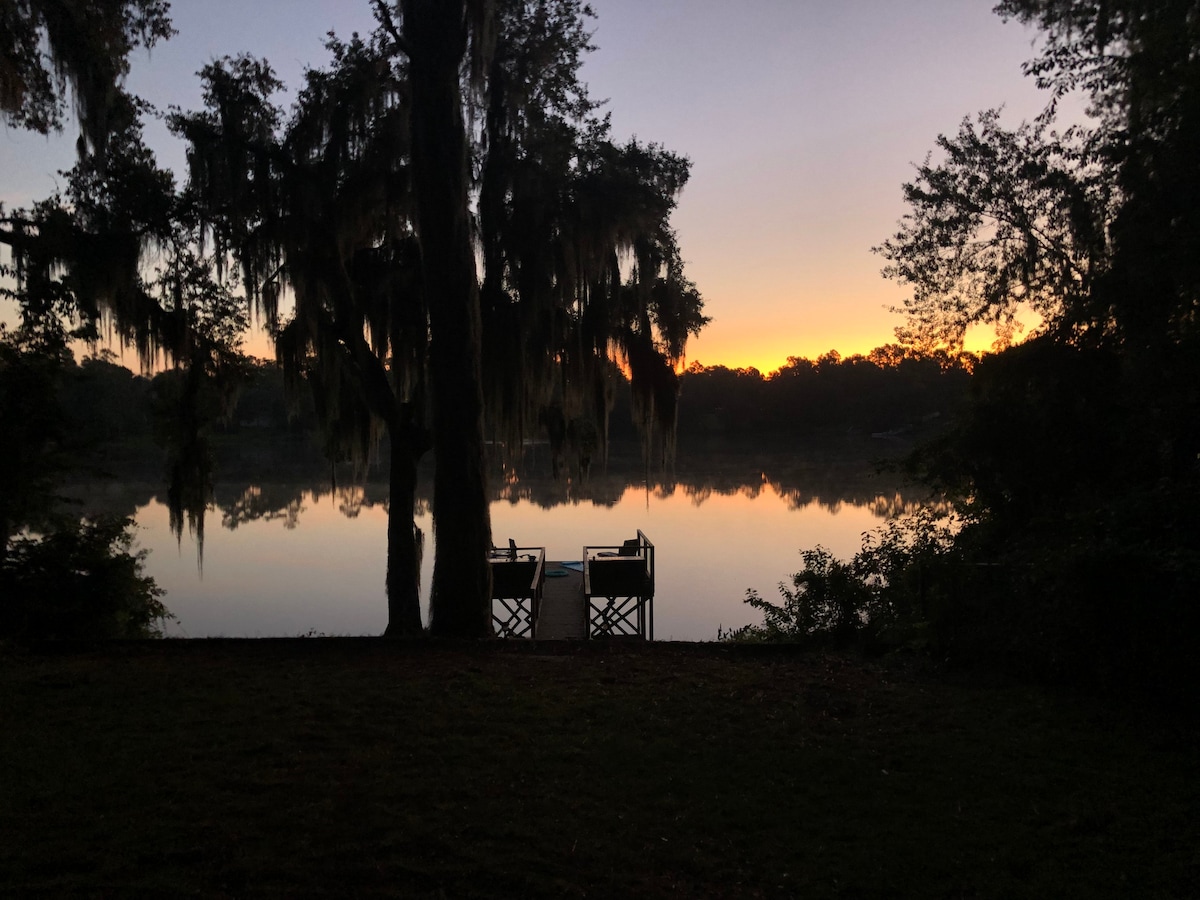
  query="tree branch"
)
[{"x": 384, "y": 15}]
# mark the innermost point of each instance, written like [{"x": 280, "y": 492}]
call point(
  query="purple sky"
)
[{"x": 801, "y": 117}]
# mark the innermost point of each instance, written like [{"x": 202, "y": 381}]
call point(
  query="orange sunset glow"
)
[{"x": 799, "y": 144}]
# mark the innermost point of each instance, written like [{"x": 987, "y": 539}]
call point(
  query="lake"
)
[{"x": 298, "y": 558}]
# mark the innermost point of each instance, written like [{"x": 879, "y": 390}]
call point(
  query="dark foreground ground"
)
[{"x": 358, "y": 767}]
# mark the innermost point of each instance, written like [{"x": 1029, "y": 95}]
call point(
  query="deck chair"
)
[
  {"x": 631, "y": 547},
  {"x": 501, "y": 553}
]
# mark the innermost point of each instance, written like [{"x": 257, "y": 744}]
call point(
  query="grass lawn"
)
[{"x": 364, "y": 767}]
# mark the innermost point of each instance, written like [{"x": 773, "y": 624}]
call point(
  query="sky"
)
[{"x": 802, "y": 119}]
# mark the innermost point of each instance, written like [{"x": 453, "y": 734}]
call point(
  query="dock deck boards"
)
[{"x": 561, "y": 617}]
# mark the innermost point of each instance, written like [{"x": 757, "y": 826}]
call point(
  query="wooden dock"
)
[
  {"x": 608, "y": 594},
  {"x": 563, "y": 612}
]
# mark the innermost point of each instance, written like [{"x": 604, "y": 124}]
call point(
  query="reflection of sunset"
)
[{"x": 311, "y": 558}]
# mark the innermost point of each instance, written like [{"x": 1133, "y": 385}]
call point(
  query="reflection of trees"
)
[
  {"x": 699, "y": 493},
  {"x": 266, "y": 502},
  {"x": 107, "y": 498},
  {"x": 242, "y": 503},
  {"x": 800, "y": 479},
  {"x": 827, "y": 477},
  {"x": 892, "y": 505},
  {"x": 546, "y": 492},
  {"x": 824, "y": 476},
  {"x": 350, "y": 500}
]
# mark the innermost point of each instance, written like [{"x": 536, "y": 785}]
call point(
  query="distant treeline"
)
[
  {"x": 103, "y": 401},
  {"x": 890, "y": 390},
  {"x": 117, "y": 415}
]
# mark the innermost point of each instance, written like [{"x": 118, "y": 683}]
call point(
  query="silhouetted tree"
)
[
  {"x": 52, "y": 50},
  {"x": 1095, "y": 228},
  {"x": 359, "y": 205},
  {"x": 78, "y": 262},
  {"x": 30, "y": 437},
  {"x": 1077, "y": 455},
  {"x": 1137, "y": 63},
  {"x": 1006, "y": 221},
  {"x": 324, "y": 207},
  {"x": 436, "y": 35},
  {"x": 105, "y": 402},
  {"x": 560, "y": 205},
  {"x": 890, "y": 390}
]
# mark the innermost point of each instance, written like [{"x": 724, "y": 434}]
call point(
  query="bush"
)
[
  {"x": 880, "y": 597},
  {"x": 827, "y": 598},
  {"x": 80, "y": 581},
  {"x": 1100, "y": 594}
]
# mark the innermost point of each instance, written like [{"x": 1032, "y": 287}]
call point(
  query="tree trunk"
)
[
  {"x": 6, "y": 532},
  {"x": 404, "y": 544},
  {"x": 460, "y": 599}
]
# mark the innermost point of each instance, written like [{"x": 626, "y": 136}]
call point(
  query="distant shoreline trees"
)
[
  {"x": 115, "y": 413},
  {"x": 890, "y": 390}
]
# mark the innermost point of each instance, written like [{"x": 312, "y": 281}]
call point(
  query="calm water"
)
[{"x": 294, "y": 559}]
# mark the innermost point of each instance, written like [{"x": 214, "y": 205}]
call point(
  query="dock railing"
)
[
  {"x": 518, "y": 579},
  {"x": 618, "y": 586}
]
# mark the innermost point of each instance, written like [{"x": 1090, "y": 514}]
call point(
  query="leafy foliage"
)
[
  {"x": 1075, "y": 459},
  {"x": 1007, "y": 222},
  {"x": 119, "y": 252},
  {"x": 52, "y": 49},
  {"x": 1094, "y": 228},
  {"x": 827, "y": 599},
  {"x": 884, "y": 596},
  {"x": 78, "y": 579},
  {"x": 82, "y": 580},
  {"x": 31, "y": 436}
]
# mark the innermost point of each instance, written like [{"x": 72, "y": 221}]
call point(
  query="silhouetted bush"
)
[
  {"x": 1102, "y": 596},
  {"x": 1100, "y": 593},
  {"x": 80, "y": 581},
  {"x": 881, "y": 598},
  {"x": 827, "y": 600},
  {"x": 1077, "y": 469}
]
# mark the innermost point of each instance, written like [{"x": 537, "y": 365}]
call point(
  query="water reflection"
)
[
  {"x": 268, "y": 502},
  {"x": 301, "y": 557}
]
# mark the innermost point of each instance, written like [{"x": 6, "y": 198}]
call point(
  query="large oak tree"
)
[{"x": 367, "y": 205}]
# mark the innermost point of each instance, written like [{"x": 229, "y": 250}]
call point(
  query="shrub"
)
[
  {"x": 881, "y": 596},
  {"x": 827, "y": 598},
  {"x": 80, "y": 581}
]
